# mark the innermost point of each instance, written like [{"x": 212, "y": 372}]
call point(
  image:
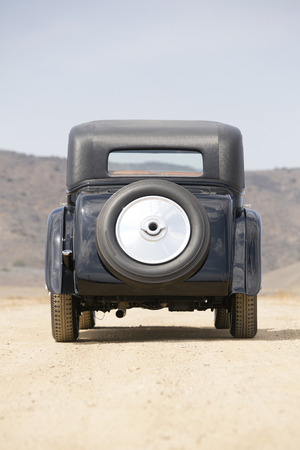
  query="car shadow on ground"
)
[{"x": 109, "y": 335}]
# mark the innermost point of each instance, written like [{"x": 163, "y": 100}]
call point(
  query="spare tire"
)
[{"x": 152, "y": 233}]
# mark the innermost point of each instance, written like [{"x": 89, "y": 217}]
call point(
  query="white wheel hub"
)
[{"x": 153, "y": 230}]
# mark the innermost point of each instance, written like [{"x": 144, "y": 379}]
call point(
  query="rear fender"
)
[
  {"x": 54, "y": 247},
  {"x": 246, "y": 277},
  {"x": 59, "y": 278}
]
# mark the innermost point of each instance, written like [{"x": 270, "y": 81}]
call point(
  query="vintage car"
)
[{"x": 154, "y": 219}]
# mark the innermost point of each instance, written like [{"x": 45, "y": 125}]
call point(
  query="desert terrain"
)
[{"x": 152, "y": 380}]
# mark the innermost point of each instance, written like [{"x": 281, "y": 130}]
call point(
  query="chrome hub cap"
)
[{"x": 153, "y": 230}]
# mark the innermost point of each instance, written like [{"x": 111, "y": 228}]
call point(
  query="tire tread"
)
[
  {"x": 65, "y": 321},
  {"x": 244, "y": 316},
  {"x": 86, "y": 320},
  {"x": 222, "y": 319}
]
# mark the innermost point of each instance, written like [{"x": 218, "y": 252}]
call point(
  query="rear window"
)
[{"x": 176, "y": 163}]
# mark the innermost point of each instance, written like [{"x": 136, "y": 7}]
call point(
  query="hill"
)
[
  {"x": 32, "y": 186},
  {"x": 285, "y": 280},
  {"x": 275, "y": 194}
]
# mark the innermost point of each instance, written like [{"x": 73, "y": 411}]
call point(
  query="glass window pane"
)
[{"x": 174, "y": 163}]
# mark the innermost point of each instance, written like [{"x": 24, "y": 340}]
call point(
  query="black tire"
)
[
  {"x": 65, "y": 318},
  {"x": 139, "y": 274},
  {"x": 244, "y": 316},
  {"x": 86, "y": 320},
  {"x": 222, "y": 319}
]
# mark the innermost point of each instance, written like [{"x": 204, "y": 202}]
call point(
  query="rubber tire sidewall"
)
[{"x": 136, "y": 273}]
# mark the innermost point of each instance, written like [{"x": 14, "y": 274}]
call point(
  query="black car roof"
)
[{"x": 90, "y": 143}]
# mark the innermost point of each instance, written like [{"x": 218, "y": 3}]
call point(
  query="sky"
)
[{"x": 66, "y": 62}]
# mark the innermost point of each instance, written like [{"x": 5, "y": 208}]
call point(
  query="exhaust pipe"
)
[
  {"x": 121, "y": 313},
  {"x": 122, "y": 306}
]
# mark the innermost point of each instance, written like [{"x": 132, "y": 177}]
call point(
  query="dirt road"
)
[{"x": 153, "y": 380}]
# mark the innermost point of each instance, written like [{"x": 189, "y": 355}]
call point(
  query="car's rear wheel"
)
[
  {"x": 222, "y": 319},
  {"x": 86, "y": 320},
  {"x": 153, "y": 233},
  {"x": 244, "y": 316},
  {"x": 64, "y": 318}
]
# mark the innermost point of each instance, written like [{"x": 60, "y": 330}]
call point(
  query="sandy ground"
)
[{"x": 153, "y": 380}]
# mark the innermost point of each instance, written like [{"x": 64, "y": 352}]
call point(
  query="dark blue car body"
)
[{"x": 233, "y": 262}]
